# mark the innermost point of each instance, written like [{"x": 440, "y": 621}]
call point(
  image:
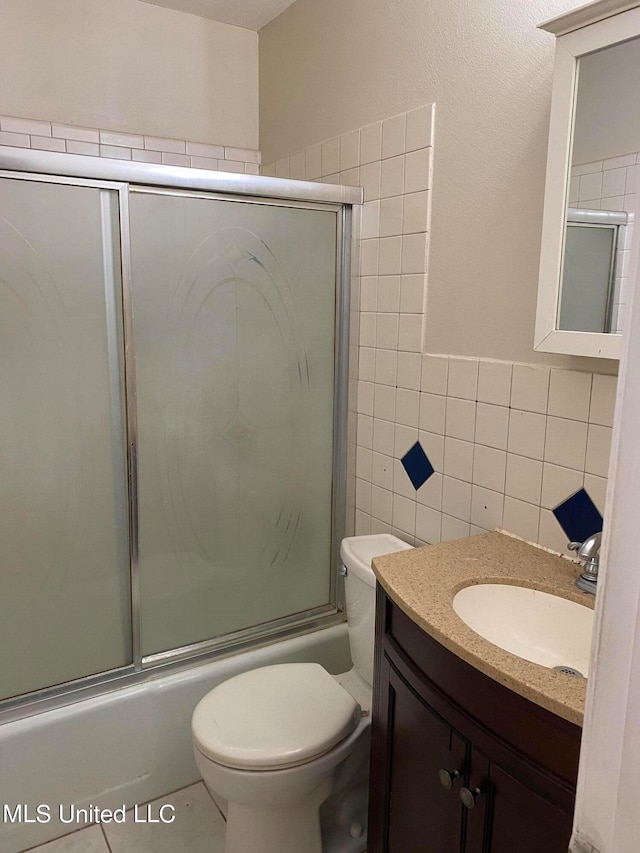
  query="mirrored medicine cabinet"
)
[{"x": 587, "y": 259}]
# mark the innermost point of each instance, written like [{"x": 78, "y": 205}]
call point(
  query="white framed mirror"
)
[{"x": 593, "y": 181}]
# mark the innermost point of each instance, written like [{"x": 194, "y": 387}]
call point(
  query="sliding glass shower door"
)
[
  {"x": 172, "y": 442},
  {"x": 234, "y": 328},
  {"x": 64, "y": 560}
]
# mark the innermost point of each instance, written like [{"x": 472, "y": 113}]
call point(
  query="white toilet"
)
[{"x": 287, "y": 746}]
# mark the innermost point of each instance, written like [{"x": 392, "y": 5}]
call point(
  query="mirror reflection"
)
[{"x": 604, "y": 166}]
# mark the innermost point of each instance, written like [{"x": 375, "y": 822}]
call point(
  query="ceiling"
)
[{"x": 251, "y": 14}]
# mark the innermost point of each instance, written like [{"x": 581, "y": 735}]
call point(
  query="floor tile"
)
[
  {"x": 89, "y": 840},
  {"x": 198, "y": 826}
]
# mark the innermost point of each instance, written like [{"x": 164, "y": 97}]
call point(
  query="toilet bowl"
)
[{"x": 287, "y": 746}]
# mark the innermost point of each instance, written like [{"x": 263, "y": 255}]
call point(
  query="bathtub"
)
[{"x": 127, "y": 746}]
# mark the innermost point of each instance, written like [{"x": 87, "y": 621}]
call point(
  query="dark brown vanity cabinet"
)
[{"x": 459, "y": 763}]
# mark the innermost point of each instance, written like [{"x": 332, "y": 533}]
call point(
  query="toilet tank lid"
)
[
  {"x": 274, "y": 717},
  {"x": 356, "y": 552}
]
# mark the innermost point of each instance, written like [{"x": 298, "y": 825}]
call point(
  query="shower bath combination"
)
[{"x": 174, "y": 369}]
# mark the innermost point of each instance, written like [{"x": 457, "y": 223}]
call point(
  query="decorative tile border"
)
[{"x": 49, "y": 136}]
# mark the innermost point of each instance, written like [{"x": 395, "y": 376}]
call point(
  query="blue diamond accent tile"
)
[
  {"x": 416, "y": 464},
  {"x": 578, "y": 516}
]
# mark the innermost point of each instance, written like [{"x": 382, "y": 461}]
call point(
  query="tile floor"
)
[{"x": 198, "y": 828}]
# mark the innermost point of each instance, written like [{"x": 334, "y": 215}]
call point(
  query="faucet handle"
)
[{"x": 574, "y": 546}]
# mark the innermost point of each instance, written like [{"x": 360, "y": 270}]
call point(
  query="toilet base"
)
[{"x": 292, "y": 829}]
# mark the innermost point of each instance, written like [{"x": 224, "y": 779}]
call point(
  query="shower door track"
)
[{"x": 122, "y": 177}]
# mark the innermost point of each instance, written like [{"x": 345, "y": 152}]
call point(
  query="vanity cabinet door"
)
[
  {"x": 516, "y": 817},
  {"x": 422, "y": 815}
]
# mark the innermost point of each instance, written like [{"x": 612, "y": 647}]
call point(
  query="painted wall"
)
[
  {"x": 327, "y": 68},
  {"x": 129, "y": 66}
]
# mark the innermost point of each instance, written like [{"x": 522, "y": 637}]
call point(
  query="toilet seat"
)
[{"x": 274, "y": 717}]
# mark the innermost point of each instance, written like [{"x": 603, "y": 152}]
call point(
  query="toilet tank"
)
[{"x": 356, "y": 553}]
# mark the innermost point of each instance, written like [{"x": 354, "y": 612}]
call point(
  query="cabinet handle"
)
[
  {"x": 447, "y": 777},
  {"x": 469, "y": 797}
]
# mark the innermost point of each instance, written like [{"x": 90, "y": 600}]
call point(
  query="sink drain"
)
[{"x": 568, "y": 670}]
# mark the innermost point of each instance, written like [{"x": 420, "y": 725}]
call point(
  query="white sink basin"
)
[{"x": 534, "y": 625}]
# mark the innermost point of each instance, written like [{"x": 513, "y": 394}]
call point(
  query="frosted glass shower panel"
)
[
  {"x": 64, "y": 567},
  {"x": 234, "y": 327}
]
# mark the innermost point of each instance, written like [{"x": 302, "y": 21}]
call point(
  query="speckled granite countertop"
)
[{"x": 423, "y": 582}]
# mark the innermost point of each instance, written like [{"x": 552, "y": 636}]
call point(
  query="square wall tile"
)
[
  {"x": 384, "y": 402},
  {"x": 596, "y": 488},
  {"x": 494, "y": 382},
  {"x": 558, "y": 484},
  {"x": 458, "y": 459},
  {"x": 460, "y": 418},
  {"x": 489, "y": 467},
  {"x": 349, "y": 150},
  {"x": 569, "y": 394},
  {"x": 410, "y": 333},
  {"x": 521, "y": 519},
  {"x": 420, "y": 128},
  {"x": 456, "y": 498},
  {"x": 428, "y": 524},
  {"x": 412, "y": 293},
  {"x": 369, "y": 253},
  {"x": 389, "y": 261},
  {"x": 393, "y": 135},
  {"x": 370, "y": 179},
  {"x": 363, "y": 495},
  {"x": 433, "y": 446},
  {"x": 430, "y": 493},
  {"x": 382, "y": 471},
  {"x": 385, "y": 366},
  {"x": 453, "y": 528},
  {"x": 367, "y": 364},
  {"x": 409, "y": 366},
  {"x": 407, "y": 407},
  {"x": 387, "y": 331},
  {"x": 492, "y": 425},
  {"x": 414, "y": 253},
  {"x": 364, "y": 431},
  {"x": 417, "y": 170},
  {"x": 392, "y": 177},
  {"x": 530, "y": 388},
  {"x": 313, "y": 162},
  {"x": 551, "y": 535},
  {"x": 391, "y": 216},
  {"x": 487, "y": 508},
  {"x": 463, "y": 378},
  {"x": 331, "y": 156},
  {"x": 371, "y": 143},
  {"x": 404, "y": 514},
  {"x": 566, "y": 443},
  {"x": 416, "y": 212},
  {"x": 524, "y": 478},
  {"x": 598, "y": 450},
  {"x": 389, "y": 294},
  {"x": 603, "y": 399},
  {"x": 527, "y": 432},
  {"x": 383, "y": 436},
  {"x": 370, "y": 221},
  {"x": 435, "y": 372},
  {"x": 432, "y": 413},
  {"x": 382, "y": 504}
]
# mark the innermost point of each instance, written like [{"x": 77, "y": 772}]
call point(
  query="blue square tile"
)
[
  {"x": 416, "y": 464},
  {"x": 578, "y": 516}
]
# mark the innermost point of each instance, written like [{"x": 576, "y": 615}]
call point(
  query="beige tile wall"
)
[
  {"x": 49, "y": 136},
  {"x": 508, "y": 442}
]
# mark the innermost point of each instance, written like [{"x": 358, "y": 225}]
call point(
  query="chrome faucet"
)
[{"x": 588, "y": 552}]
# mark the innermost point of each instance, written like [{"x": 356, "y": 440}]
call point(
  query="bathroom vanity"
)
[{"x": 473, "y": 749}]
